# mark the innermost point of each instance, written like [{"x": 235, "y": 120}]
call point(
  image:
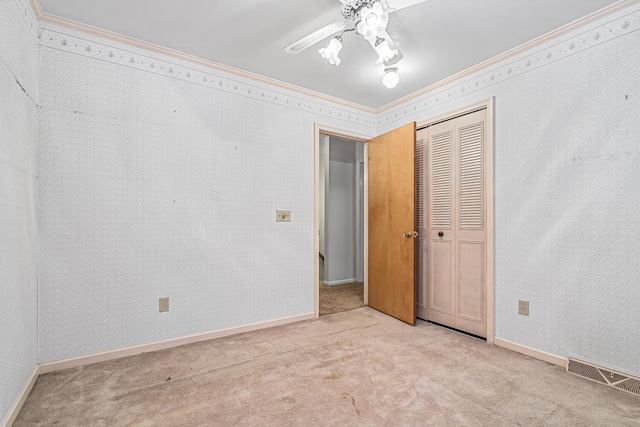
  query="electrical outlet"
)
[
  {"x": 523, "y": 307},
  {"x": 283, "y": 216},
  {"x": 164, "y": 304}
]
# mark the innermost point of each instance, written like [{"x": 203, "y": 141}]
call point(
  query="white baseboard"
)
[
  {"x": 532, "y": 352},
  {"x": 75, "y": 362},
  {"x": 340, "y": 282},
  {"x": 88, "y": 359},
  {"x": 17, "y": 405}
]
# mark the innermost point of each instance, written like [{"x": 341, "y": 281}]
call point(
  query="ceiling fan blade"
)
[
  {"x": 315, "y": 37},
  {"x": 393, "y": 5}
]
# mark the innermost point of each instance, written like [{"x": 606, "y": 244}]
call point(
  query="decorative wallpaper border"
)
[
  {"x": 29, "y": 16},
  {"x": 76, "y": 42},
  {"x": 70, "y": 41},
  {"x": 570, "y": 45}
]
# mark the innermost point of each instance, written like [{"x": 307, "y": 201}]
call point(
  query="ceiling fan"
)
[{"x": 368, "y": 18}]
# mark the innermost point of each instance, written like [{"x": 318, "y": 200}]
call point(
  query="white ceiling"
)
[{"x": 438, "y": 38}]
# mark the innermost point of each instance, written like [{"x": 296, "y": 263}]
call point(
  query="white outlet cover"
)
[
  {"x": 523, "y": 307},
  {"x": 283, "y": 216}
]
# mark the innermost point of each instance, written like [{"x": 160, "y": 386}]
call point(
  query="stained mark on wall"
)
[
  {"x": 23, "y": 89},
  {"x": 605, "y": 156}
]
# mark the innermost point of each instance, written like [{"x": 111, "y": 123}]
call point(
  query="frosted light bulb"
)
[{"x": 391, "y": 78}]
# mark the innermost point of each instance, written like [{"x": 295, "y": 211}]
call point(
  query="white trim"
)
[
  {"x": 88, "y": 29},
  {"x": 532, "y": 352},
  {"x": 316, "y": 220},
  {"x": 331, "y": 131},
  {"x": 366, "y": 224},
  {"x": 455, "y": 113},
  {"x": 327, "y": 130},
  {"x": 22, "y": 397},
  {"x": 622, "y": 4},
  {"x": 44, "y": 368},
  {"x": 88, "y": 359},
  {"x": 37, "y": 8},
  {"x": 487, "y": 104},
  {"x": 340, "y": 282},
  {"x": 130, "y": 41},
  {"x": 490, "y": 289}
]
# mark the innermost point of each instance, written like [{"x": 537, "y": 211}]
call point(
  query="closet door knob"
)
[{"x": 440, "y": 233}]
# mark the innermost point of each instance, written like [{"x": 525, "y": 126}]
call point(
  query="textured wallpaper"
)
[
  {"x": 161, "y": 178},
  {"x": 18, "y": 263},
  {"x": 567, "y": 199},
  {"x": 153, "y": 185}
]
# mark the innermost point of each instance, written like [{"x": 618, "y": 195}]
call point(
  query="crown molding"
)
[
  {"x": 622, "y": 4},
  {"x": 55, "y": 37},
  {"x": 119, "y": 38},
  {"x": 575, "y": 43},
  {"x": 98, "y": 32},
  {"x": 37, "y": 9}
]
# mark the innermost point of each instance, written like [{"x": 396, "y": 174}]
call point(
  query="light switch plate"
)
[
  {"x": 164, "y": 304},
  {"x": 283, "y": 216}
]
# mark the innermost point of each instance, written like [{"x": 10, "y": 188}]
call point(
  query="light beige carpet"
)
[
  {"x": 338, "y": 298},
  {"x": 357, "y": 368}
]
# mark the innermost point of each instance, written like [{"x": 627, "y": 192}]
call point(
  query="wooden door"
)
[
  {"x": 391, "y": 223},
  {"x": 456, "y": 196}
]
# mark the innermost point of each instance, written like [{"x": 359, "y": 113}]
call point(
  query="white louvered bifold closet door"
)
[
  {"x": 456, "y": 243},
  {"x": 441, "y": 249},
  {"x": 471, "y": 252}
]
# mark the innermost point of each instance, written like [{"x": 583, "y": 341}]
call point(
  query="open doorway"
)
[
  {"x": 388, "y": 218},
  {"x": 341, "y": 224}
]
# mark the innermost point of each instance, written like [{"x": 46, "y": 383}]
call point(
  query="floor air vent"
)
[{"x": 605, "y": 376}]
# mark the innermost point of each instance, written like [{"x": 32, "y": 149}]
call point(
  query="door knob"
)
[
  {"x": 440, "y": 233},
  {"x": 406, "y": 234},
  {"x": 415, "y": 234}
]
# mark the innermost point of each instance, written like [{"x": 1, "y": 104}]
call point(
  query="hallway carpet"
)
[
  {"x": 338, "y": 298},
  {"x": 357, "y": 368}
]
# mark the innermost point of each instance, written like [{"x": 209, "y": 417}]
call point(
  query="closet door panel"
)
[
  {"x": 441, "y": 230},
  {"x": 470, "y": 208}
]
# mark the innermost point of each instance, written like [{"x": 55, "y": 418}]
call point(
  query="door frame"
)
[
  {"x": 490, "y": 291},
  {"x": 330, "y": 131}
]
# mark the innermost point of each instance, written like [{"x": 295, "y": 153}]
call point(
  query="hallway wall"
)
[{"x": 341, "y": 222}]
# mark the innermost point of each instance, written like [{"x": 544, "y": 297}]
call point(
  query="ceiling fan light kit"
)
[
  {"x": 330, "y": 53},
  {"x": 373, "y": 21},
  {"x": 391, "y": 77},
  {"x": 385, "y": 53},
  {"x": 368, "y": 18}
]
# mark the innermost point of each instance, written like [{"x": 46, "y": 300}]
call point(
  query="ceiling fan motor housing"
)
[{"x": 351, "y": 8}]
